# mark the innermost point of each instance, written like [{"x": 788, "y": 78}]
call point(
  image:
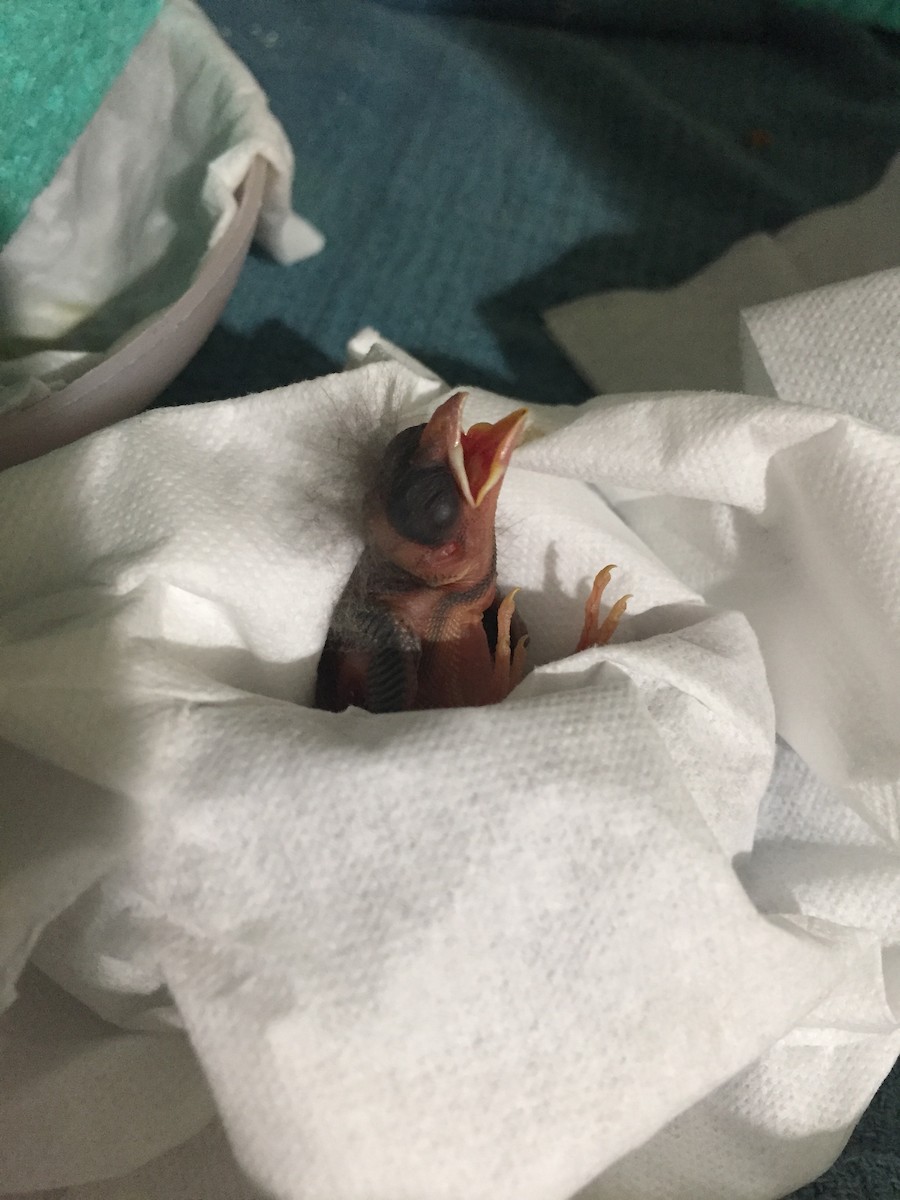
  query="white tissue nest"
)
[{"x": 490, "y": 953}]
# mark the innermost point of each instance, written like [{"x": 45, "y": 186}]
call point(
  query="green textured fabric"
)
[
  {"x": 58, "y": 59},
  {"x": 885, "y": 13}
]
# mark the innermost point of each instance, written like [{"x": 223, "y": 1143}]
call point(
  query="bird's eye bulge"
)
[{"x": 423, "y": 504}]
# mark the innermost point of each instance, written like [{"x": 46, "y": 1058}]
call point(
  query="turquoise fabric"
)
[{"x": 57, "y": 61}]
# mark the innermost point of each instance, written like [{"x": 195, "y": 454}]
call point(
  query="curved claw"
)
[
  {"x": 594, "y": 633},
  {"x": 509, "y": 665}
]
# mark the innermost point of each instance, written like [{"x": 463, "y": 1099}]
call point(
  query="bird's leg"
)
[
  {"x": 594, "y": 632},
  {"x": 509, "y": 661}
]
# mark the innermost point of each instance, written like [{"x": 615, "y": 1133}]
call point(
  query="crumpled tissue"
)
[
  {"x": 583, "y": 941},
  {"x": 149, "y": 186}
]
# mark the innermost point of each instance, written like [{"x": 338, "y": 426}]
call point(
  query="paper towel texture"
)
[
  {"x": 584, "y": 939},
  {"x": 853, "y": 368},
  {"x": 826, "y": 852}
]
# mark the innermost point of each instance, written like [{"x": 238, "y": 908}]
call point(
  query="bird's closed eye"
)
[{"x": 423, "y": 504}]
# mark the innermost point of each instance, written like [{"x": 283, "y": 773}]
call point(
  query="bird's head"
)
[{"x": 433, "y": 506}]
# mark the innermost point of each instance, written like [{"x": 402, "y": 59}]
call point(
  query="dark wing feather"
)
[{"x": 370, "y": 659}]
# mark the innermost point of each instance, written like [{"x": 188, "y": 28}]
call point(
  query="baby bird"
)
[{"x": 420, "y": 623}]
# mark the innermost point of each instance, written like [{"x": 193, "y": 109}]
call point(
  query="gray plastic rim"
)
[{"x": 133, "y": 376}]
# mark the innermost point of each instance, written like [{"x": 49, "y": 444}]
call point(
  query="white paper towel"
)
[
  {"x": 855, "y": 368},
  {"x": 500, "y": 952},
  {"x": 149, "y": 187},
  {"x": 688, "y": 336},
  {"x": 82, "y": 1099},
  {"x": 824, "y": 855}
]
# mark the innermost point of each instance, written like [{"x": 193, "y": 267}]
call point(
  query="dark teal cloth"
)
[{"x": 469, "y": 171}]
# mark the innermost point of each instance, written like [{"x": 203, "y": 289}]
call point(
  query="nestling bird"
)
[{"x": 420, "y": 623}]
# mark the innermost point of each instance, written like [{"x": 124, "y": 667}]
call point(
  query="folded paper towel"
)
[{"x": 506, "y": 952}]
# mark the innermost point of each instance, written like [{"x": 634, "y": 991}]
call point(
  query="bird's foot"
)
[
  {"x": 596, "y": 632},
  {"x": 509, "y": 661}
]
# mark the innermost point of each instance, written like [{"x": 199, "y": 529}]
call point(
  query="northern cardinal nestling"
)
[{"x": 419, "y": 624}]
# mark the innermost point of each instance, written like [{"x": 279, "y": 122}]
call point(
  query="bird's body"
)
[{"x": 420, "y": 623}]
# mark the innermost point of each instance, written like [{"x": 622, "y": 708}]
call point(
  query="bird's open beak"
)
[{"x": 478, "y": 457}]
